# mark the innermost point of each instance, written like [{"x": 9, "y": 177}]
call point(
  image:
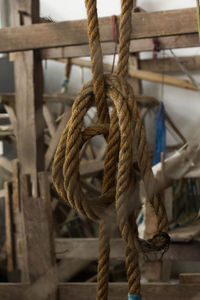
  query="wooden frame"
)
[{"x": 36, "y": 212}]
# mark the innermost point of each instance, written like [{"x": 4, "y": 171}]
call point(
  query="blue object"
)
[
  {"x": 160, "y": 142},
  {"x": 134, "y": 297}
]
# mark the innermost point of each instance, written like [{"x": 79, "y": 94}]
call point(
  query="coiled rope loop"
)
[{"x": 120, "y": 129}]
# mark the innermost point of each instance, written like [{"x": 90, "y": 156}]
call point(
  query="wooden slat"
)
[
  {"x": 12, "y": 291},
  {"x": 169, "y": 42},
  {"x": 9, "y": 228},
  {"x": 87, "y": 248},
  {"x": 49, "y": 119},
  {"x": 38, "y": 232},
  {"x": 119, "y": 291},
  {"x": 55, "y": 139},
  {"x": 48, "y": 35},
  {"x": 6, "y": 164},
  {"x": 169, "y": 64},
  {"x": 189, "y": 278},
  {"x": 160, "y": 78},
  {"x": 91, "y": 168},
  {"x": 68, "y": 99}
]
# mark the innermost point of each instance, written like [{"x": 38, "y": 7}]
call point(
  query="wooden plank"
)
[
  {"x": 169, "y": 64},
  {"x": 48, "y": 35},
  {"x": 68, "y": 99},
  {"x": 91, "y": 168},
  {"x": 2, "y": 193},
  {"x": 169, "y": 42},
  {"x": 29, "y": 89},
  {"x": 12, "y": 291},
  {"x": 189, "y": 278},
  {"x": 160, "y": 78},
  {"x": 118, "y": 291},
  {"x": 87, "y": 248},
  {"x": 6, "y": 164},
  {"x": 12, "y": 116},
  {"x": 186, "y": 234},
  {"x": 9, "y": 228},
  {"x": 49, "y": 119},
  {"x": 55, "y": 139},
  {"x": 38, "y": 231},
  {"x": 141, "y": 74}
]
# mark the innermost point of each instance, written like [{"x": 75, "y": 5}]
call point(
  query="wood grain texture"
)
[
  {"x": 145, "y": 44},
  {"x": 28, "y": 104},
  {"x": 118, "y": 291},
  {"x": 144, "y": 25},
  {"x": 169, "y": 64}
]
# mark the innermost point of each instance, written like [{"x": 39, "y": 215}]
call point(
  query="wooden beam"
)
[
  {"x": 6, "y": 164},
  {"x": 9, "y": 99},
  {"x": 144, "y": 25},
  {"x": 39, "y": 240},
  {"x": 49, "y": 119},
  {"x": 9, "y": 243},
  {"x": 146, "y": 44},
  {"x": 169, "y": 64},
  {"x": 29, "y": 89},
  {"x": 91, "y": 168},
  {"x": 189, "y": 278},
  {"x": 55, "y": 139},
  {"x": 141, "y": 74},
  {"x": 118, "y": 291},
  {"x": 160, "y": 78},
  {"x": 87, "y": 248}
]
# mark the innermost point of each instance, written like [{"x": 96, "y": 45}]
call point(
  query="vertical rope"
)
[{"x": 102, "y": 111}]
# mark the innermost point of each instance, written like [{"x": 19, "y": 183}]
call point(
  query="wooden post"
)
[
  {"x": 29, "y": 88},
  {"x": 39, "y": 239}
]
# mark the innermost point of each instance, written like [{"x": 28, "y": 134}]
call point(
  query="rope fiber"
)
[{"x": 121, "y": 130}]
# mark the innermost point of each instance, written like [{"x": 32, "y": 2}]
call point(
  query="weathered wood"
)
[
  {"x": 9, "y": 228},
  {"x": 160, "y": 78},
  {"x": 39, "y": 241},
  {"x": 12, "y": 291},
  {"x": 2, "y": 193},
  {"x": 55, "y": 139},
  {"x": 9, "y": 99},
  {"x": 6, "y": 164},
  {"x": 186, "y": 234},
  {"x": 29, "y": 88},
  {"x": 169, "y": 42},
  {"x": 91, "y": 168},
  {"x": 87, "y": 248},
  {"x": 189, "y": 278},
  {"x": 169, "y": 64},
  {"x": 47, "y": 35},
  {"x": 136, "y": 83},
  {"x": 49, "y": 120},
  {"x": 118, "y": 291},
  {"x": 12, "y": 116}
]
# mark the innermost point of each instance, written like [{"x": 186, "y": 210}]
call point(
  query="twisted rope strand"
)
[{"x": 119, "y": 176}]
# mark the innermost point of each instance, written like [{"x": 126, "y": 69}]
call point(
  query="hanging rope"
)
[{"x": 119, "y": 130}]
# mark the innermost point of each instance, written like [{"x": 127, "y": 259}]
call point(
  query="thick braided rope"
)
[
  {"x": 102, "y": 111},
  {"x": 66, "y": 160}
]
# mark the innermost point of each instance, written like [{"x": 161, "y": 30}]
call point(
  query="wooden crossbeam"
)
[
  {"x": 169, "y": 64},
  {"x": 145, "y": 44},
  {"x": 87, "y": 248},
  {"x": 117, "y": 291},
  {"x": 70, "y": 33}
]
